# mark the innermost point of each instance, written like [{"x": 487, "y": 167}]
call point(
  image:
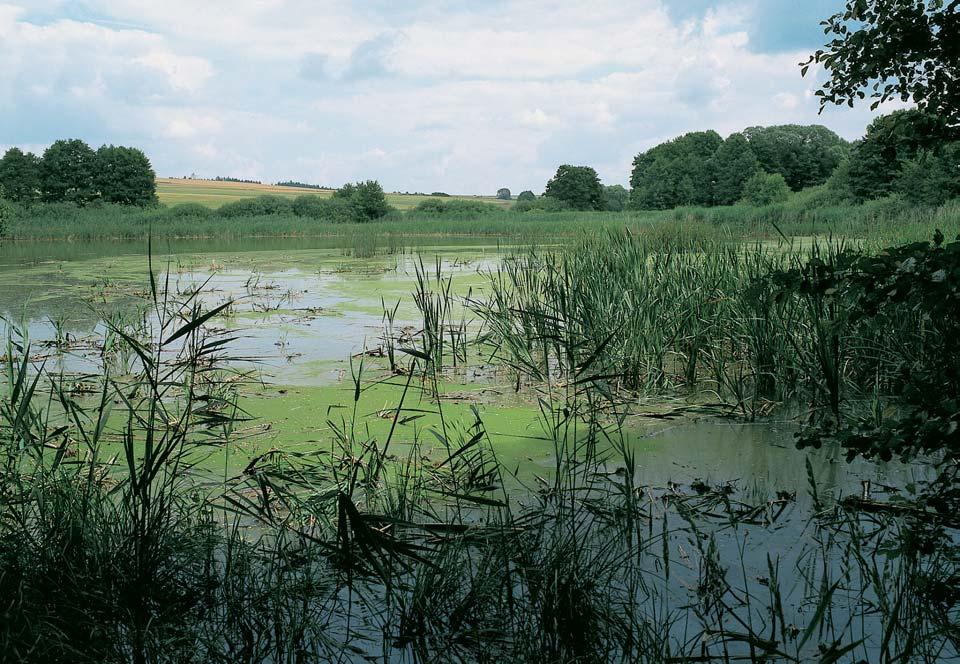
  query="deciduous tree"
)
[
  {"x": 732, "y": 165},
  {"x": 124, "y": 175},
  {"x": 577, "y": 186},
  {"x": 366, "y": 198},
  {"x": 674, "y": 173},
  {"x": 805, "y": 155},
  {"x": 19, "y": 176},
  {"x": 66, "y": 172},
  {"x": 890, "y": 141},
  {"x": 615, "y": 197},
  {"x": 893, "y": 49}
]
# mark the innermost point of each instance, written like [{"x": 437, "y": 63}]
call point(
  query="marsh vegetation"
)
[{"x": 538, "y": 454}]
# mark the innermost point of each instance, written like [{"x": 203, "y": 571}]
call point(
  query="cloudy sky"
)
[{"x": 463, "y": 96}]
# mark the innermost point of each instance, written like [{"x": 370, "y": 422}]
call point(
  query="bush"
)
[
  {"x": 366, "y": 198},
  {"x": 187, "y": 210},
  {"x": 332, "y": 210},
  {"x": 255, "y": 207},
  {"x": 453, "y": 208},
  {"x": 526, "y": 195},
  {"x": 820, "y": 196},
  {"x": 542, "y": 204},
  {"x": 58, "y": 211},
  {"x": 765, "y": 189}
]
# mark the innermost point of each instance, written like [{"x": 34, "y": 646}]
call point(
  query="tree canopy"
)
[
  {"x": 66, "y": 172},
  {"x": 577, "y": 186},
  {"x": 19, "y": 176},
  {"x": 891, "y": 140},
  {"x": 615, "y": 197},
  {"x": 805, "y": 155},
  {"x": 526, "y": 195},
  {"x": 674, "y": 173},
  {"x": 893, "y": 49},
  {"x": 124, "y": 175},
  {"x": 700, "y": 168},
  {"x": 71, "y": 172},
  {"x": 504, "y": 194},
  {"x": 732, "y": 165}
]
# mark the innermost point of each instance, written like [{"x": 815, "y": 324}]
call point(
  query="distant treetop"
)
[
  {"x": 221, "y": 178},
  {"x": 299, "y": 185}
]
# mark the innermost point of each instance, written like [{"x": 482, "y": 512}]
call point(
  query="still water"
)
[{"x": 303, "y": 307}]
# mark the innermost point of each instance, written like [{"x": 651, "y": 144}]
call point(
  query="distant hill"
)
[{"x": 214, "y": 193}]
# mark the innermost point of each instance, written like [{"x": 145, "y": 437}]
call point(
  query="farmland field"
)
[{"x": 213, "y": 193}]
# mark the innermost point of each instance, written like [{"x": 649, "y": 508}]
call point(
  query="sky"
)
[{"x": 423, "y": 95}]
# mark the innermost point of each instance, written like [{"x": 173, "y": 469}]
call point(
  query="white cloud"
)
[
  {"x": 537, "y": 119},
  {"x": 183, "y": 72},
  {"x": 190, "y": 125},
  {"x": 786, "y": 101},
  {"x": 423, "y": 95}
]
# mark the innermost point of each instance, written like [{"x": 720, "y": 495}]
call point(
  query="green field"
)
[{"x": 214, "y": 194}]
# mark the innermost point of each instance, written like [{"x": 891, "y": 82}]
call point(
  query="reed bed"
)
[
  {"x": 700, "y": 317},
  {"x": 884, "y": 222}
]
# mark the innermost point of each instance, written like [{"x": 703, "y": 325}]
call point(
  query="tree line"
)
[
  {"x": 70, "y": 171},
  {"x": 910, "y": 153}
]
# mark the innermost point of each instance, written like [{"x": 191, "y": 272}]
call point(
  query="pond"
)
[
  {"x": 309, "y": 324},
  {"x": 304, "y": 313}
]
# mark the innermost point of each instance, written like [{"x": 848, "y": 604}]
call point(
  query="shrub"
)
[
  {"x": 765, "y": 189},
  {"x": 255, "y": 207},
  {"x": 453, "y": 208},
  {"x": 187, "y": 210},
  {"x": 820, "y": 196},
  {"x": 542, "y": 204},
  {"x": 526, "y": 195},
  {"x": 366, "y": 198},
  {"x": 333, "y": 210}
]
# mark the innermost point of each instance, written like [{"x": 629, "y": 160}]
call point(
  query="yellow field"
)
[{"x": 214, "y": 194}]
